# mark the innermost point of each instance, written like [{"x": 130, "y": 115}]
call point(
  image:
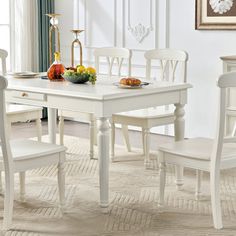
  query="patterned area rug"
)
[{"x": 133, "y": 196}]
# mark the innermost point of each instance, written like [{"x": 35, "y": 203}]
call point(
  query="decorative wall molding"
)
[
  {"x": 125, "y": 28},
  {"x": 140, "y": 31},
  {"x": 122, "y": 19},
  {"x": 153, "y": 14}
]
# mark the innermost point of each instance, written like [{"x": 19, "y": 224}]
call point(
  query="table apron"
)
[
  {"x": 141, "y": 102},
  {"x": 103, "y": 108}
]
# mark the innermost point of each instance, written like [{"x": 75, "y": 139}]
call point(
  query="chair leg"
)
[
  {"x": 143, "y": 141},
  {"x": 61, "y": 183},
  {"x": 39, "y": 129},
  {"x": 179, "y": 171},
  {"x": 113, "y": 130},
  {"x": 95, "y": 132},
  {"x": 9, "y": 129},
  {"x": 215, "y": 199},
  {"x": 8, "y": 200},
  {"x": 126, "y": 137},
  {"x": 1, "y": 190},
  {"x": 199, "y": 174},
  {"x": 147, "y": 146},
  {"x": 162, "y": 179},
  {"x": 61, "y": 129},
  {"x": 92, "y": 133},
  {"x": 22, "y": 186},
  {"x": 234, "y": 130}
]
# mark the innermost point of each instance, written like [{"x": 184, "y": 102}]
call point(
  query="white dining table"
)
[{"x": 102, "y": 99}]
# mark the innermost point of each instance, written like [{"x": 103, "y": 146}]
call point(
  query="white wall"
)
[
  {"x": 106, "y": 24},
  {"x": 204, "y": 48}
]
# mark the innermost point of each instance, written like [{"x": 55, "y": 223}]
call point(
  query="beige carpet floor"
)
[{"x": 133, "y": 200}]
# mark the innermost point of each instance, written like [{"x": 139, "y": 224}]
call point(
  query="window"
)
[{"x": 5, "y": 28}]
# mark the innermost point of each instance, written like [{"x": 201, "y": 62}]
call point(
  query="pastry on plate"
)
[{"x": 131, "y": 81}]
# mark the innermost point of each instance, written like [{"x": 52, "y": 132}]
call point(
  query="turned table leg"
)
[
  {"x": 52, "y": 125},
  {"x": 179, "y": 135},
  {"x": 103, "y": 157}
]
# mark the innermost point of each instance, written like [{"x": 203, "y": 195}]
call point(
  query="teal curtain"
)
[{"x": 44, "y": 7}]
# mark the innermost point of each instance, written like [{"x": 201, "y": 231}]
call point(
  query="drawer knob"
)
[{"x": 24, "y": 95}]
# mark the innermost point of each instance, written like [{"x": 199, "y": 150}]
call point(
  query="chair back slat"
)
[
  {"x": 148, "y": 68},
  {"x": 120, "y": 62},
  {"x": 219, "y": 139},
  {"x": 4, "y": 142},
  {"x": 172, "y": 70},
  {"x": 169, "y": 60},
  {"x": 109, "y": 63},
  {"x": 5, "y": 146},
  {"x": 97, "y": 65},
  {"x": 114, "y": 56},
  {"x": 3, "y": 56},
  {"x": 164, "y": 65},
  {"x": 225, "y": 82}
]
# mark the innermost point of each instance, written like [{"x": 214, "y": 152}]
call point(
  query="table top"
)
[{"x": 104, "y": 89}]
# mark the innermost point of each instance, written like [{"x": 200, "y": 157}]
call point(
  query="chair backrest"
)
[
  {"x": 169, "y": 60},
  {"x": 3, "y": 56},
  {"x": 225, "y": 82},
  {"x": 112, "y": 55},
  {"x": 4, "y": 141}
]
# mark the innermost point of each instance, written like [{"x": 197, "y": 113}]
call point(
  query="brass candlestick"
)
[
  {"x": 76, "y": 33},
  {"x": 53, "y": 28}
]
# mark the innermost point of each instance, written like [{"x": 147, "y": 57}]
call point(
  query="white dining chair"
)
[
  {"x": 115, "y": 57},
  {"x": 169, "y": 61},
  {"x": 20, "y": 113},
  {"x": 22, "y": 155},
  {"x": 202, "y": 154}
]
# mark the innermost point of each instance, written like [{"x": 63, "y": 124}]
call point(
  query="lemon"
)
[
  {"x": 81, "y": 69},
  {"x": 91, "y": 70}
]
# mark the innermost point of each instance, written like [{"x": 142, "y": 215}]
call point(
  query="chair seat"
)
[
  {"x": 231, "y": 108},
  {"x": 28, "y": 149},
  {"x": 81, "y": 116},
  {"x": 197, "y": 148},
  {"x": 17, "y": 109},
  {"x": 149, "y": 113}
]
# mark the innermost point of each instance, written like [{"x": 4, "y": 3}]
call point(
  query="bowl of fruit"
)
[{"x": 80, "y": 74}]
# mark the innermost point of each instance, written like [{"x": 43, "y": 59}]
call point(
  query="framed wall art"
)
[{"x": 215, "y": 14}]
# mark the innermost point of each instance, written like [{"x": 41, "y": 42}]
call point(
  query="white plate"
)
[
  {"x": 26, "y": 74},
  {"x": 117, "y": 84}
]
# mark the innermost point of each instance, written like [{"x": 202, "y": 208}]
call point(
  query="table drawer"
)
[{"x": 28, "y": 95}]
